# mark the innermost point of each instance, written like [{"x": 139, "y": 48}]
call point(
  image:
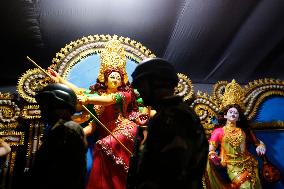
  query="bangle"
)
[{"x": 211, "y": 153}]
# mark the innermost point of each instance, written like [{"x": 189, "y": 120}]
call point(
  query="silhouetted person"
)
[
  {"x": 176, "y": 150},
  {"x": 60, "y": 160}
]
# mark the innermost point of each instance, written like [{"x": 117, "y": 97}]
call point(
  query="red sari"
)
[{"x": 111, "y": 160}]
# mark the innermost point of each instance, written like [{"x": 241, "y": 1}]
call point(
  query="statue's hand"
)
[
  {"x": 143, "y": 119},
  {"x": 83, "y": 99},
  {"x": 260, "y": 149},
  {"x": 81, "y": 117},
  {"x": 215, "y": 159},
  {"x": 54, "y": 75}
]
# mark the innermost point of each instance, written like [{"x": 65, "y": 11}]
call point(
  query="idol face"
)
[
  {"x": 114, "y": 80},
  {"x": 232, "y": 115}
]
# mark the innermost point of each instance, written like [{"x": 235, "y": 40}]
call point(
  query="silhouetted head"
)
[
  {"x": 154, "y": 78},
  {"x": 56, "y": 97},
  {"x": 155, "y": 68}
]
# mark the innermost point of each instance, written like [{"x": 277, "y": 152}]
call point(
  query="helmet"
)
[
  {"x": 59, "y": 94},
  {"x": 155, "y": 68}
]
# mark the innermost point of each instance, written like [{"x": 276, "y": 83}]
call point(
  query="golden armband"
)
[{"x": 213, "y": 143}]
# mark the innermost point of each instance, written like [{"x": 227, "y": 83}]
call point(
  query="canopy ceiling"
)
[{"x": 206, "y": 40}]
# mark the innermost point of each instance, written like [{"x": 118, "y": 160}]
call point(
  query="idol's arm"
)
[
  {"x": 97, "y": 100},
  {"x": 212, "y": 155},
  {"x": 58, "y": 79},
  {"x": 81, "y": 117},
  {"x": 260, "y": 146},
  {"x": 89, "y": 129},
  {"x": 213, "y": 144}
]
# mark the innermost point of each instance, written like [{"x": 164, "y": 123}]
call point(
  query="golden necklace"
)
[{"x": 233, "y": 135}]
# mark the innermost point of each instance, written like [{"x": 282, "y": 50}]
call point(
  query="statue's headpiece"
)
[
  {"x": 113, "y": 57},
  {"x": 233, "y": 95}
]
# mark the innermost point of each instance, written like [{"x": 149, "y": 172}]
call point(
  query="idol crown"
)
[
  {"x": 233, "y": 95},
  {"x": 113, "y": 57}
]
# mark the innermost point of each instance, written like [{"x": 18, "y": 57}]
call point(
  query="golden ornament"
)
[
  {"x": 113, "y": 58},
  {"x": 233, "y": 95}
]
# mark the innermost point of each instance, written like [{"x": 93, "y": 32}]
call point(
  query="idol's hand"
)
[
  {"x": 83, "y": 99},
  {"x": 54, "y": 75},
  {"x": 80, "y": 117},
  {"x": 260, "y": 149},
  {"x": 143, "y": 119},
  {"x": 215, "y": 159}
]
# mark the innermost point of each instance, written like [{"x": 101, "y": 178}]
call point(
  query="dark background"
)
[{"x": 208, "y": 40}]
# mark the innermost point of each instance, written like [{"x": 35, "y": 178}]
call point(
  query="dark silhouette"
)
[
  {"x": 176, "y": 150},
  {"x": 60, "y": 160}
]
